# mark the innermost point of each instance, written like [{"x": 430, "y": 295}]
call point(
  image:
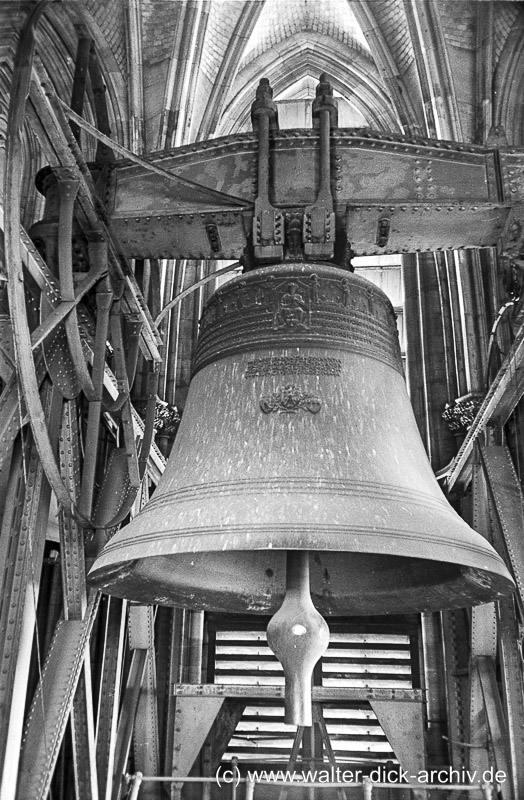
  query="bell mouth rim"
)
[
  {"x": 368, "y": 584},
  {"x": 358, "y": 543}
]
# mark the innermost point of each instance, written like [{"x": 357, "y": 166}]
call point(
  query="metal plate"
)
[{"x": 57, "y": 357}]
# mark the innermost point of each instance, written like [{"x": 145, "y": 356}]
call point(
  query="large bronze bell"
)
[
  {"x": 298, "y": 473},
  {"x": 298, "y": 434}
]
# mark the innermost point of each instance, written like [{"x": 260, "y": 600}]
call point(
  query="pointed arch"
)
[
  {"x": 508, "y": 82},
  {"x": 354, "y": 78}
]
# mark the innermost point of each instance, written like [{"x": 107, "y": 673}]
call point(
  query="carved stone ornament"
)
[{"x": 290, "y": 400}]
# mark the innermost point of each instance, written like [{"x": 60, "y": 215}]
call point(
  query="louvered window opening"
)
[{"x": 353, "y": 660}]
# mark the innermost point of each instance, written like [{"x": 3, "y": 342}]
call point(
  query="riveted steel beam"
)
[
  {"x": 433, "y": 194},
  {"x": 139, "y": 636},
  {"x": 501, "y": 510},
  {"x": 75, "y": 604},
  {"x": 145, "y": 735},
  {"x": 109, "y": 699},
  {"x": 49, "y": 712},
  {"x": 22, "y": 542},
  {"x": 427, "y": 194},
  {"x": 505, "y": 491},
  {"x": 83, "y": 737},
  {"x": 504, "y": 393},
  {"x": 455, "y": 635},
  {"x": 483, "y": 646},
  {"x": 512, "y": 677},
  {"x": 496, "y": 724},
  {"x": 71, "y": 535}
]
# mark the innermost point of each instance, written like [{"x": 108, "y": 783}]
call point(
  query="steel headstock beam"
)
[{"x": 390, "y": 193}]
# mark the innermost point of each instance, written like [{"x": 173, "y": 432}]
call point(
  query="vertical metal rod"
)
[
  {"x": 486, "y": 790},
  {"x": 68, "y": 190},
  {"x": 196, "y": 638},
  {"x": 174, "y": 328},
  {"x": 234, "y": 784},
  {"x": 325, "y": 171},
  {"x": 456, "y": 327},
  {"x": 250, "y": 788},
  {"x": 434, "y": 679},
  {"x": 206, "y": 765},
  {"x": 179, "y": 671},
  {"x": 367, "y": 788},
  {"x": 169, "y": 286},
  {"x": 297, "y": 741},
  {"x": 146, "y": 279},
  {"x": 263, "y": 156},
  {"x": 137, "y": 781},
  {"x": 308, "y": 756}
]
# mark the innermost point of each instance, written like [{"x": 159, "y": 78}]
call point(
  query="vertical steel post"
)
[
  {"x": 234, "y": 783},
  {"x": 250, "y": 788}
]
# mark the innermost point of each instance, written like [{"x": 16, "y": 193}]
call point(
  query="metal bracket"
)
[
  {"x": 319, "y": 218},
  {"x": 505, "y": 490},
  {"x": 194, "y": 717},
  {"x": 403, "y": 724},
  {"x": 268, "y": 222}
]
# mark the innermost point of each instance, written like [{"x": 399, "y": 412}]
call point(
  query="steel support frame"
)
[
  {"x": 22, "y": 545},
  {"x": 507, "y": 515},
  {"x": 52, "y": 704},
  {"x": 75, "y": 605},
  {"x": 57, "y": 699},
  {"x": 144, "y": 732}
]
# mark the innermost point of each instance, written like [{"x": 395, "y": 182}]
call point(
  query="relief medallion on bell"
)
[{"x": 290, "y": 400}]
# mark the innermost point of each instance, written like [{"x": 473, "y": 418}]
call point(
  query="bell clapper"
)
[{"x": 298, "y": 635}]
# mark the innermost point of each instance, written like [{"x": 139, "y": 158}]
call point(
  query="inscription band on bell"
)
[{"x": 296, "y": 365}]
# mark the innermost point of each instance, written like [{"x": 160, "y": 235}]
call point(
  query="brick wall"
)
[
  {"x": 110, "y": 16},
  {"x": 390, "y": 17},
  {"x": 222, "y": 20}
]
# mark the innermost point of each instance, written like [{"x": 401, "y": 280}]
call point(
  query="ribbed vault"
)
[{"x": 356, "y": 80}]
